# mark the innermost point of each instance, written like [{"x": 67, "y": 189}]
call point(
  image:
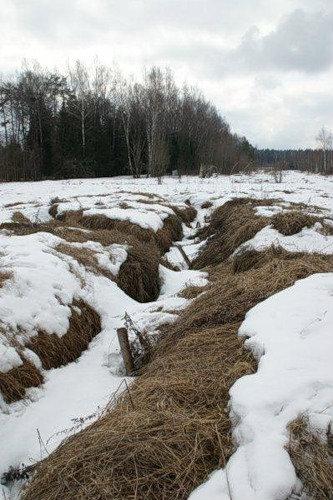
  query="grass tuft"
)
[{"x": 312, "y": 457}]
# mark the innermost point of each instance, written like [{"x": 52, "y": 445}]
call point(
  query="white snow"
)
[
  {"x": 110, "y": 257},
  {"x": 42, "y": 286},
  {"x": 147, "y": 219},
  {"x": 288, "y": 332},
  {"x": 291, "y": 335},
  {"x": 308, "y": 240}
]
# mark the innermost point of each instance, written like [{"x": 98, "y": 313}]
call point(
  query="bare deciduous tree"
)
[{"x": 324, "y": 140}]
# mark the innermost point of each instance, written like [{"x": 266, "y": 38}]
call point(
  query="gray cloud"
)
[
  {"x": 266, "y": 64},
  {"x": 303, "y": 41}
]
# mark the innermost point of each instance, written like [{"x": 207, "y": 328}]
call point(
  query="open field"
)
[{"x": 232, "y": 393}]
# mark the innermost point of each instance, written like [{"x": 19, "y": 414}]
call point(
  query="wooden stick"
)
[
  {"x": 125, "y": 350},
  {"x": 187, "y": 260}
]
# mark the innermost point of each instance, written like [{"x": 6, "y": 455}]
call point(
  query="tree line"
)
[
  {"x": 93, "y": 122},
  {"x": 318, "y": 160}
]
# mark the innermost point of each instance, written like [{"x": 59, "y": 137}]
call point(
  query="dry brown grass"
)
[
  {"x": 86, "y": 257},
  {"x": 206, "y": 204},
  {"x": 54, "y": 351},
  {"x": 230, "y": 226},
  {"x": 191, "y": 292},
  {"x": 171, "y": 429},
  {"x": 53, "y": 210},
  {"x": 236, "y": 222},
  {"x": 170, "y": 232},
  {"x": 252, "y": 259},
  {"x": 4, "y": 276},
  {"x": 312, "y": 457},
  {"x": 164, "y": 437},
  {"x": 292, "y": 222},
  {"x": 139, "y": 275},
  {"x": 14, "y": 383},
  {"x": 187, "y": 214},
  {"x": 20, "y": 228},
  {"x": 20, "y": 218}
]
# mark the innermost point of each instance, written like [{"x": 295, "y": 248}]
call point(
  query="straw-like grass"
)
[
  {"x": 292, "y": 222},
  {"x": 14, "y": 383},
  {"x": 187, "y": 214},
  {"x": 230, "y": 226},
  {"x": 163, "y": 437},
  {"x": 167, "y": 432},
  {"x": 171, "y": 429},
  {"x": 53, "y": 351},
  {"x": 20, "y": 218},
  {"x": 206, "y": 204},
  {"x": 250, "y": 258},
  {"x": 171, "y": 231},
  {"x": 86, "y": 257},
  {"x": 139, "y": 275},
  {"x": 4, "y": 276},
  {"x": 312, "y": 456}
]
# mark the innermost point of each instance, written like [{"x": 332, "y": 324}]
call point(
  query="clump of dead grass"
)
[
  {"x": 4, "y": 276},
  {"x": 206, "y": 204},
  {"x": 164, "y": 436},
  {"x": 230, "y": 226},
  {"x": 53, "y": 210},
  {"x": 231, "y": 294},
  {"x": 191, "y": 292},
  {"x": 171, "y": 429},
  {"x": 86, "y": 257},
  {"x": 186, "y": 215},
  {"x": 292, "y": 222},
  {"x": 19, "y": 217},
  {"x": 249, "y": 258},
  {"x": 312, "y": 457},
  {"x": 14, "y": 383},
  {"x": 139, "y": 275},
  {"x": 53, "y": 351}
]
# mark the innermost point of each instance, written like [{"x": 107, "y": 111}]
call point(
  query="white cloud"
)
[{"x": 266, "y": 65}]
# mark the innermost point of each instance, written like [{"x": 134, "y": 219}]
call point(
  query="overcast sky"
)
[{"x": 266, "y": 64}]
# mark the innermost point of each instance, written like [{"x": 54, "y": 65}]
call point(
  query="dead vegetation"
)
[
  {"x": 86, "y": 257},
  {"x": 138, "y": 276},
  {"x": 312, "y": 457},
  {"x": 55, "y": 351},
  {"x": 292, "y": 222},
  {"x": 171, "y": 428},
  {"x": 237, "y": 222},
  {"x": 14, "y": 383},
  {"x": 164, "y": 436},
  {"x": 20, "y": 218},
  {"x": 230, "y": 226},
  {"x": 206, "y": 204},
  {"x": 4, "y": 276},
  {"x": 253, "y": 259},
  {"x": 187, "y": 214},
  {"x": 52, "y": 350}
]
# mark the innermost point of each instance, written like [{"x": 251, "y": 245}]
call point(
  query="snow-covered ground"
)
[
  {"x": 288, "y": 332},
  {"x": 291, "y": 333}
]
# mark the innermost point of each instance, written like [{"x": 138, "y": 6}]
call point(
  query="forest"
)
[
  {"x": 312, "y": 160},
  {"x": 92, "y": 122}
]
